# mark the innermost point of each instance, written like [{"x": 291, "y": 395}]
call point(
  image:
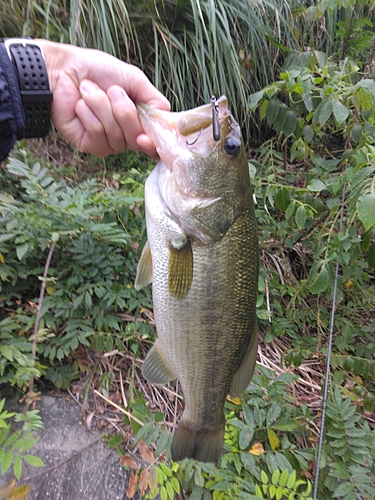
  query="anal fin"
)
[
  {"x": 144, "y": 268},
  {"x": 155, "y": 368},
  {"x": 241, "y": 379},
  {"x": 180, "y": 270}
]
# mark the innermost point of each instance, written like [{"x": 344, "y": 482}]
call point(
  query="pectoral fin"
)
[
  {"x": 180, "y": 271},
  {"x": 155, "y": 368},
  {"x": 144, "y": 268},
  {"x": 241, "y": 379}
]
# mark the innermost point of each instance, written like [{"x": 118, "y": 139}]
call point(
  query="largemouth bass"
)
[{"x": 202, "y": 258}]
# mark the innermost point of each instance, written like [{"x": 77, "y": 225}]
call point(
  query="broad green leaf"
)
[
  {"x": 319, "y": 280},
  {"x": 321, "y": 58},
  {"x": 343, "y": 489},
  {"x": 291, "y": 480},
  {"x": 290, "y": 210},
  {"x": 357, "y": 134},
  {"x": 272, "y": 491},
  {"x": 284, "y": 477},
  {"x": 272, "y": 111},
  {"x": 282, "y": 198},
  {"x": 21, "y": 250},
  {"x": 255, "y": 98},
  {"x": 245, "y": 437},
  {"x": 290, "y": 123},
  {"x": 176, "y": 485},
  {"x": 17, "y": 467},
  {"x": 366, "y": 210},
  {"x": 340, "y": 112},
  {"x": 275, "y": 477},
  {"x": 280, "y": 120},
  {"x": 33, "y": 460},
  {"x": 7, "y": 352},
  {"x": 6, "y": 463},
  {"x": 316, "y": 185},
  {"x": 301, "y": 217},
  {"x": 308, "y": 134},
  {"x": 264, "y": 477},
  {"x": 198, "y": 478},
  {"x": 323, "y": 112},
  {"x": 163, "y": 493}
]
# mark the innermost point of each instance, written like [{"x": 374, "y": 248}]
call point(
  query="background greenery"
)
[{"x": 300, "y": 81}]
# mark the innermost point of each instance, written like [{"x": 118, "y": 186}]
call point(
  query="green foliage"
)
[
  {"x": 262, "y": 458},
  {"x": 349, "y": 465},
  {"x": 14, "y": 444},
  {"x": 93, "y": 235}
]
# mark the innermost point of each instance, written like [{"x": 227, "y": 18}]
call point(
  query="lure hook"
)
[
  {"x": 195, "y": 140},
  {"x": 215, "y": 119}
]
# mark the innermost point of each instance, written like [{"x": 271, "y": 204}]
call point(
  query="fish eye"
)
[{"x": 232, "y": 146}]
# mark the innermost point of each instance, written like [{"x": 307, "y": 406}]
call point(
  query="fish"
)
[{"x": 202, "y": 258}]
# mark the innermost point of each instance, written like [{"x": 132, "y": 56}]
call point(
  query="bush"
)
[{"x": 92, "y": 236}]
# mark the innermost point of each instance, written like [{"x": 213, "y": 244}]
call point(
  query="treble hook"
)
[{"x": 215, "y": 119}]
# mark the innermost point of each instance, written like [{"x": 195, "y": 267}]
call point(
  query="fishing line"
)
[{"x": 328, "y": 367}]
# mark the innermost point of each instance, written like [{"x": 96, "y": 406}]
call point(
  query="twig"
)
[
  {"x": 39, "y": 309},
  {"x": 119, "y": 408},
  {"x": 53, "y": 467}
]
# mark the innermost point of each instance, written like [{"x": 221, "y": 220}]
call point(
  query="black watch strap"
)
[{"x": 28, "y": 60}]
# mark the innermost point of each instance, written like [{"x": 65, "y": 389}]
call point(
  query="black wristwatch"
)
[{"x": 28, "y": 60}]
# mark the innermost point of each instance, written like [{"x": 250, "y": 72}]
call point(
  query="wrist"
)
[
  {"x": 55, "y": 57},
  {"x": 28, "y": 62}
]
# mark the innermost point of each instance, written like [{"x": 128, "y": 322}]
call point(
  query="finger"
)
[
  {"x": 100, "y": 105},
  {"x": 140, "y": 89},
  {"x": 93, "y": 138},
  {"x": 126, "y": 115},
  {"x": 146, "y": 145}
]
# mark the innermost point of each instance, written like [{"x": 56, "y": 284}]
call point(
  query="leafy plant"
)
[
  {"x": 14, "y": 444},
  {"x": 261, "y": 458},
  {"x": 89, "y": 279}
]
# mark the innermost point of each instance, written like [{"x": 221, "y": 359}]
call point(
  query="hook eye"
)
[{"x": 215, "y": 119}]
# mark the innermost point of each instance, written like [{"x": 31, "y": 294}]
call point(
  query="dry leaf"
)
[
  {"x": 235, "y": 401},
  {"x": 146, "y": 453},
  {"x": 144, "y": 481},
  {"x": 132, "y": 486},
  {"x": 129, "y": 462},
  {"x": 7, "y": 488},
  {"x": 89, "y": 419},
  {"x": 19, "y": 493},
  {"x": 257, "y": 449},
  {"x": 153, "y": 479}
]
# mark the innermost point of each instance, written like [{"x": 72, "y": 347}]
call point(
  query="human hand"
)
[{"x": 94, "y": 96}]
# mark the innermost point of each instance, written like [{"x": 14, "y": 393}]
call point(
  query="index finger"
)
[{"x": 141, "y": 90}]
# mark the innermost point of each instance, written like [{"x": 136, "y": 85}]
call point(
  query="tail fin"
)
[{"x": 204, "y": 445}]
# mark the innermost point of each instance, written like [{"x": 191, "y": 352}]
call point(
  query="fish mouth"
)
[{"x": 177, "y": 134}]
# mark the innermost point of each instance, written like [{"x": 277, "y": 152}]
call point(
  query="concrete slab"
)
[{"x": 78, "y": 465}]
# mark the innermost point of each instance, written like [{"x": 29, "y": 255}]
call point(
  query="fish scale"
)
[{"x": 205, "y": 318}]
